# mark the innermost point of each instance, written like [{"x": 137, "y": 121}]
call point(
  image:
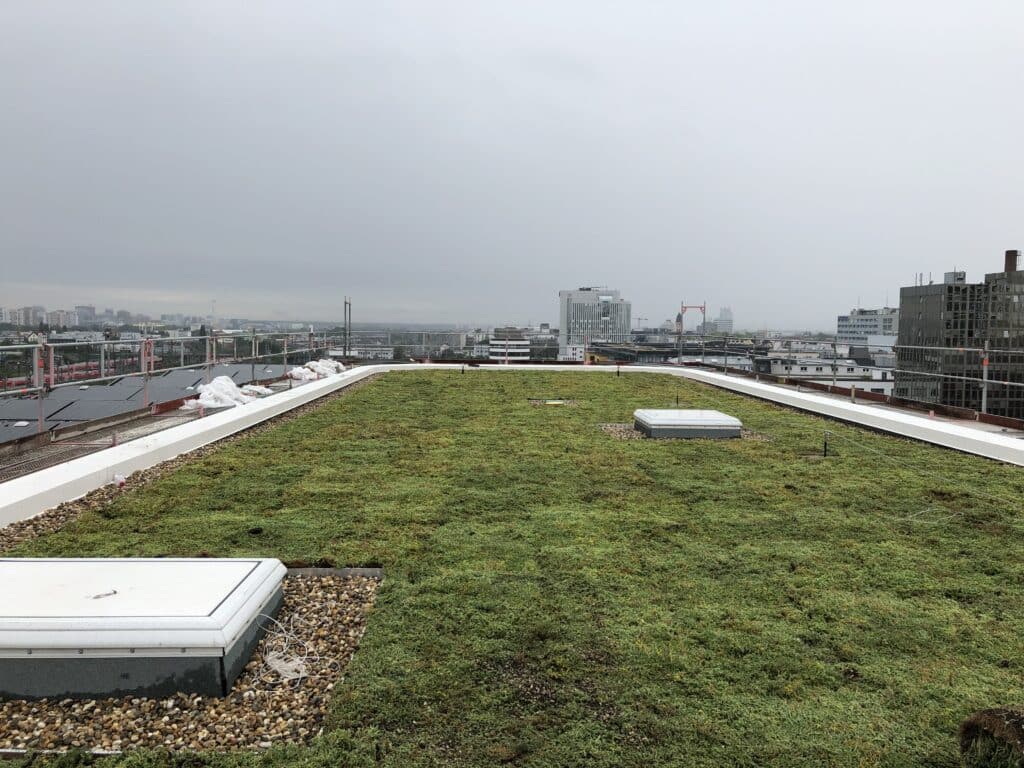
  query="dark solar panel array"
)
[{"x": 66, "y": 406}]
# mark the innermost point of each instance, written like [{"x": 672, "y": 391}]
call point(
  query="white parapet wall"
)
[
  {"x": 981, "y": 442},
  {"x": 27, "y": 496}
]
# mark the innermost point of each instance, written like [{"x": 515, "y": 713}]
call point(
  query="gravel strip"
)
[
  {"x": 622, "y": 431},
  {"x": 325, "y": 617},
  {"x": 629, "y": 432},
  {"x": 56, "y": 518}
]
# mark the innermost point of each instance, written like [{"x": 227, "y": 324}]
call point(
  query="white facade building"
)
[
  {"x": 508, "y": 345},
  {"x": 574, "y": 353},
  {"x": 587, "y": 315},
  {"x": 856, "y": 327}
]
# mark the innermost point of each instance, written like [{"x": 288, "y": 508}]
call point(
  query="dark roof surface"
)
[{"x": 68, "y": 405}]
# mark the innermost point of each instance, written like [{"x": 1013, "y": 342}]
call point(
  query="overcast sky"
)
[{"x": 462, "y": 162}]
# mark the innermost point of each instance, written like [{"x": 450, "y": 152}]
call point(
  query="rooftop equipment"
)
[
  {"x": 671, "y": 422},
  {"x": 91, "y": 628}
]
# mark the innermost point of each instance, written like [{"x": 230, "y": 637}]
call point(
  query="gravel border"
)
[
  {"x": 629, "y": 432},
  {"x": 325, "y": 618},
  {"x": 622, "y": 431},
  {"x": 56, "y": 518}
]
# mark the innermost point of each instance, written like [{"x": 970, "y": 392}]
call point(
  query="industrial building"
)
[
  {"x": 587, "y": 315},
  {"x": 845, "y": 370},
  {"x": 945, "y": 330}
]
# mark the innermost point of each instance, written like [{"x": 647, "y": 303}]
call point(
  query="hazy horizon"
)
[{"x": 457, "y": 162}]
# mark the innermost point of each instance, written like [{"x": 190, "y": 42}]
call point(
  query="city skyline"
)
[{"x": 106, "y": 313}]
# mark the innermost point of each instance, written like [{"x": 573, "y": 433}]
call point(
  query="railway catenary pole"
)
[
  {"x": 145, "y": 372},
  {"x": 206, "y": 361},
  {"x": 703, "y": 330},
  {"x": 984, "y": 380},
  {"x": 682, "y": 314},
  {"x": 38, "y": 379},
  {"x": 834, "y": 361}
]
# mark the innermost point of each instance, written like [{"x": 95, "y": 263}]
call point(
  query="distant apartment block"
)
[
  {"x": 587, "y": 315},
  {"x": 61, "y": 318},
  {"x": 860, "y": 324},
  {"x": 944, "y": 328}
]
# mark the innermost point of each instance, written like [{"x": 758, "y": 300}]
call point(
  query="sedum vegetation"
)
[{"x": 558, "y": 597}]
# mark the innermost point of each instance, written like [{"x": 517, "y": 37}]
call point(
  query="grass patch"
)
[{"x": 554, "y": 597}]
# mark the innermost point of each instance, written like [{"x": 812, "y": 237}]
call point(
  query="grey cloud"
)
[{"x": 463, "y": 161}]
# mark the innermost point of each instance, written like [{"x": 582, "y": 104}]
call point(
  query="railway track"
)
[{"x": 57, "y": 453}]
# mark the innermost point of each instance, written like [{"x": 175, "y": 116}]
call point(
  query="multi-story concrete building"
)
[
  {"x": 591, "y": 314},
  {"x": 856, "y": 327},
  {"x": 944, "y": 331},
  {"x": 509, "y": 345}
]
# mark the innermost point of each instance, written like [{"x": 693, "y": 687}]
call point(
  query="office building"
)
[
  {"x": 859, "y": 324},
  {"x": 943, "y": 332},
  {"x": 587, "y": 315}
]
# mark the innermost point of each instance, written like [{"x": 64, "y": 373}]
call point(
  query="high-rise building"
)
[
  {"x": 587, "y": 315},
  {"x": 944, "y": 329},
  {"x": 29, "y": 317},
  {"x": 724, "y": 322},
  {"x": 856, "y": 327}
]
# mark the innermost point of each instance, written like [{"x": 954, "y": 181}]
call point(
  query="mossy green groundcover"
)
[{"x": 555, "y": 596}]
